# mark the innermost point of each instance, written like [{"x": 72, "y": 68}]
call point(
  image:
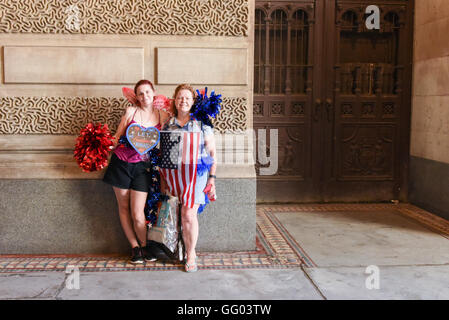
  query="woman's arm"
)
[
  {"x": 163, "y": 117},
  {"x": 209, "y": 143},
  {"x": 126, "y": 118}
]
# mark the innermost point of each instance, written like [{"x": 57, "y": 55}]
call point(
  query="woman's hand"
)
[
  {"x": 211, "y": 193},
  {"x": 209, "y": 142},
  {"x": 115, "y": 144}
]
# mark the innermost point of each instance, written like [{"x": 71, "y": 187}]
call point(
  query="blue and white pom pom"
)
[{"x": 204, "y": 108}]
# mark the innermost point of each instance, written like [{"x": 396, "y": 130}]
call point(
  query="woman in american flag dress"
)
[{"x": 184, "y": 181}]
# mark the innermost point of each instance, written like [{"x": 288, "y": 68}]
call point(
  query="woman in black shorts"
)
[{"x": 128, "y": 172}]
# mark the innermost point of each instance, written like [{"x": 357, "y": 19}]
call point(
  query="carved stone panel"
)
[
  {"x": 172, "y": 17},
  {"x": 77, "y": 65},
  {"x": 233, "y": 116},
  {"x": 57, "y": 115},
  {"x": 67, "y": 115},
  {"x": 224, "y": 66}
]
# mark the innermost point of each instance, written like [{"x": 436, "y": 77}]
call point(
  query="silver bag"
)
[{"x": 167, "y": 230}]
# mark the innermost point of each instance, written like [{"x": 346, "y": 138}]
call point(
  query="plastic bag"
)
[{"x": 167, "y": 231}]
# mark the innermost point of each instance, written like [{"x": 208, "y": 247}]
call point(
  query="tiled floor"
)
[
  {"x": 273, "y": 251},
  {"x": 281, "y": 243},
  {"x": 307, "y": 252},
  {"x": 362, "y": 235}
]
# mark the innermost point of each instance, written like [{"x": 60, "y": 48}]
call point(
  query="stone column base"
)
[{"x": 81, "y": 217}]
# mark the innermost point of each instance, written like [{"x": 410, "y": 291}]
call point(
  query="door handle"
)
[
  {"x": 329, "y": 109},
  {"x": 316, "y": 112}
]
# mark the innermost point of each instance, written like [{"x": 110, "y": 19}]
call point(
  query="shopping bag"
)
[{"x": 166, "y": 234}]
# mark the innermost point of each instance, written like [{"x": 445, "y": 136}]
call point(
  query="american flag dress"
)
[{"x": 181, "y": 150}]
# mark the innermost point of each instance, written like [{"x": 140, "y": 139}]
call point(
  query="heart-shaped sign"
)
[{"x": 142, "y": 139}]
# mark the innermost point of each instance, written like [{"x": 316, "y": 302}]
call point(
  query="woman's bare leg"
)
[
  {"x": 123, "y": 196},
  {"x": 138, "y": 200},
  {"x": 189, "y": 218}
]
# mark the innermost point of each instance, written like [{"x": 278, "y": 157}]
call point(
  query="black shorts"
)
[{"x": 125, "y": 175}]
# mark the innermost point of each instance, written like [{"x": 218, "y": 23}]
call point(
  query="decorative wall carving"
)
[
  {"x": 57, "y": 115},
  {"x": 233, "y": 116},
  {"x": 173, "y": 17},
  {"x": 67, "y": 115}
]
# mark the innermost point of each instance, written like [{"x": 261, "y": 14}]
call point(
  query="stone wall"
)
[
  {"x": 63, "y": 64},
  {"x": 429, "y": 166}
]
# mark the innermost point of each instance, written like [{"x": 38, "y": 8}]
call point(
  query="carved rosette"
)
[
  {"x": 67, "y": 115},
  {"x": 162, "y": 17}
]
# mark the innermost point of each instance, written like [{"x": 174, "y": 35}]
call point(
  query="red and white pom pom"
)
[
  {"x": 92, "y": 147},
  {"x": 161, "y": 102}
]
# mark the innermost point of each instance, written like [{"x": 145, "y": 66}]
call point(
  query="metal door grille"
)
[
  {"x": 299, "y": 50},
  {"x": 281, "y": 52}
]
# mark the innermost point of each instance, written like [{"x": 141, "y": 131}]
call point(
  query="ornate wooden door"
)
[
  {"x": 338, "y": 94},
  {"x": 285, "y": 55}
]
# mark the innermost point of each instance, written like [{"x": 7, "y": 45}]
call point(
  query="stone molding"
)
[{"x": 162, "y": 17}]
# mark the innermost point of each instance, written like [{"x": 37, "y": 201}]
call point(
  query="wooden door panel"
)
[
  {"x": 366, "y": 152},
  {"x": 293, "y": 163},
  {"x": 364, "y": 98},
  {"x": 366, "y": 138},
  {"x": 284, "y": 97},
  {"x": 339, "y": 96}
]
